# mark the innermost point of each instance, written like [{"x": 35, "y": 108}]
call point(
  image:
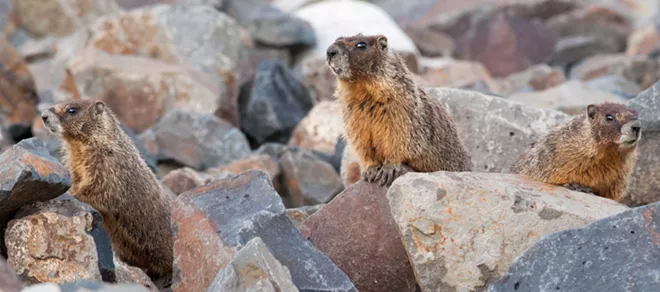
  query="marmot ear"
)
[
  {"x": 99, "y": 106},
  {"x": 591, "y": 111},
  {"x": 381, "y": 41}
]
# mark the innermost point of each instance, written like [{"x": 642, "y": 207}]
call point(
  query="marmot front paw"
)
[
  {"x": 578, "y": 188},
  {"x": 386, "y": 174}
]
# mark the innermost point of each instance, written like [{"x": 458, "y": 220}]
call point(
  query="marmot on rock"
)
[
  {"x": 391, "y": 123},
  {"x": 109, "y": 174},
  {"x": 596, "y": 150}
]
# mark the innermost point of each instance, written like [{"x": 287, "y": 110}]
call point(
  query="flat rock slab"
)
[
  {"x": 253, "y": 268},
  {"x": 214, "y": 221},
  {"x": 618, "y": 253},
  {"x": 29, "y": 174},
  {"x": 357, "y": 232},
  {"x": 462, "y": 230}
]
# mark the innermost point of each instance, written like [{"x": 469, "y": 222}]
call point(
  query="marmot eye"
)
[
  {"x": 72, "y": 110},
  {"x": 609, "y": 117},
  {"x": 361, "y": 45}
]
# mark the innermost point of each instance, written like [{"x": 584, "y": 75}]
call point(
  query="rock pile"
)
[{"x": 231, "y": 104}]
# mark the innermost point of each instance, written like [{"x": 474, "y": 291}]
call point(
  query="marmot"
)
[
  {"x": 596, "y": 150},
  {"x": 109, "y": 174},
  {"x": 391, "y": 123}
]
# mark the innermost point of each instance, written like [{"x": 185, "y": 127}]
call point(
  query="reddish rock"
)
[
  {"x": 141, "y": 90},
  {"x": 640, "y": 70},
  {"x": 214, "y": 221},
  {"x": 308, "y": 180},
  {"x": 8, "y": 280},
  {"x": 60, "y": 17},
  {"x": 453, "y": 73},
  {"x": 182, "y": 180},
  {"x": 350, "y": 167},
  {"x": 18, "y": 99},
  {"x": 320, "y": 129},
  {"x": 131, "y": 275},
  {"x": 431, "y": 43},
  {"x": 255, "y": 161},
  {"x": 643, "y": 41},
  {"x": 357, "y": 232},
  {"x": 537, "y": 78},
  {"x": 51, "y": 242},
  {"x": 507, "y": 43}
]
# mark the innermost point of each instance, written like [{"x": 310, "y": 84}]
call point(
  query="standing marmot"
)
[
  {"x": 597, "y": 149},
  {"x": 391, "y": 123},
  {"x": 109, "y": 175}
]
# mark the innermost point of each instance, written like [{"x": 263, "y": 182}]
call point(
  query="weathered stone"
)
[
  {"x": 643, "y": 41},
  {"x": 308, "y": 180},
  {"x": 60, "y": 18},
  {"x": 333, "y": 18},
  {"x": 461, "y": 231},
  {"x": 507, "y": 43},
  {"x": 277, "y": 150},
  {"x": 617, "y": 253},
  {"x": 212, "y": 222},
  {"x": 453, "y": 73},
  {"x": 198, "y": 35},
  {"x": 126, "y": 274},
  {"x": 50, "y": 242},
  {"x": 255, "y": 161},
  {"x": 183, "y": 179},
  {"x": 494, "y": 130},
  {"x": 320, "y": 129},
  {"x": 270, "y": 26},
  {"x": 29, "y": 174},
  {"x": 571, "y": 97},
  {"x": 644, "y": 185},
  {"x": 141, "y": 90},
  {"x": 431, "y": 43},
  {"x": 642, "y": 70},
  {"x": 318, "y": 79},
  {"x": 615, "y": 84},
  {"x": 300, "y": 214},
  {"x": 251, "y": 57},
  {"x": 536, "y": 78},
  {"x": 357, "y": 232},
  {"x": 8, "y": 280},
  {"x": 18, "y": 100},
  {"x": 276, "y": 103},
  {"x": 196, "y": 140},
  {"x": 350, "y": 167},
  {"x": 85, "y": 286},
  {"x": 253, "y": 268}
]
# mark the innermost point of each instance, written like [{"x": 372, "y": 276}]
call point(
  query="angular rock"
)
[
  {"x": 431, "y": 43},
  {"x": 251, "y": 57},
  {"x": 277, "y": 150},
  {"x": 333, "y": 18},
  {"x": 18, "y": 100},
  {"x": 571, "y": 97},
  {"x": 195, "y": 140},
  {"x": 494, "y": 130},
  {"x": 271, "y": 26},
  {"x": 644, "y": 185},
  {"x": 586, "y": 32},
  {"x": 8, "y": 280},
  {"x": 299, "y": 215},
  {"x": 198, "y": 35},
  {"x": 506, "y": 43},
  {"x": 51, "y": 242},
  {"x": 253, "y": 268},
  {"x": 60, "y": 18},
  {"x": 86, "y": 286},
  {"x": 318, "y": 79},
  {"x": 615, "y": 84},
  {"x": 183, "y": 179},
  {"x": 308, "y": 180},
  {"x": 641, "y": 70},
  {"x": 29, "y": 174},
  {"x": 617, "y": 253},
  {"x": 126, "y": 274},
  {"x": 643, "y": 41},
  {"x": 461, "y": 231},
  {"x": 320, "y": 129},
  {"x": 453, "y": 73},
  {"x": 357, "y": 232},
  {"x": 254, "y": 161},
  {"x": 141, "y": 90},
  {"x": 536, "y": 78},
  {"x": 350, "y": 167},
  {"x": 276, "y": 103},
  {"x": 212, "y": 222}
]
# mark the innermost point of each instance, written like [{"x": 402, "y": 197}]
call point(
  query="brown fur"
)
[
  {"x": 587, "y": 151},
  {"x": 391, "y": 122},
  {"x": 109, "y": 174}
]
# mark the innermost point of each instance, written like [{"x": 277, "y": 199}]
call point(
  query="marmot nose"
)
[
  {"x": 332, "y": 51},
  {"x": 44, "y": 118},
  {"x": 636, "y": 129}
]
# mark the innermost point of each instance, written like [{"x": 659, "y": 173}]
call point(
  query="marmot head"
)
[
  {"x": 614, "y": 124},
  {"x": 358, "y": 56},
  {"x": 75, "y": 119}
]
